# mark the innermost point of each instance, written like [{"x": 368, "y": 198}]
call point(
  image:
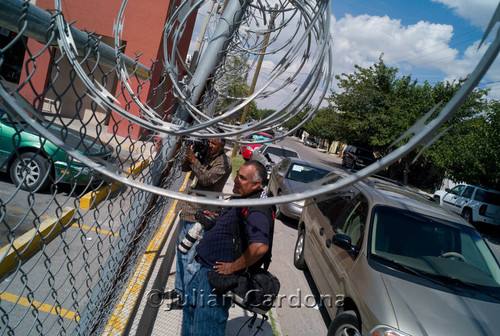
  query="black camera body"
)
[
  {"x": 201, "y": 147},
  {"x": 203, "y": 222}
]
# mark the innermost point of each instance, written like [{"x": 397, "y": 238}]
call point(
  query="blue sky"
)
[{"x": 429, "y": 40}]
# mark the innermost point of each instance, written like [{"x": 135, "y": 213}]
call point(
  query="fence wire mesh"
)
[
  {"x": 89, "y": 139},
  {"x": 70, "y": 237}
]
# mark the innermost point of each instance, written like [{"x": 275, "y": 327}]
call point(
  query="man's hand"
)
[
  {"x": 190, "y": 157},
  {"x": 253, "y": 253},
  {"x": 224, "y": 268}
]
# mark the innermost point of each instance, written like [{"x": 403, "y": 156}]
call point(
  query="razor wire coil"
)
[{"x": 72, "y": 284}]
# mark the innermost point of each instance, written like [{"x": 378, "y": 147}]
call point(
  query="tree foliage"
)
[
  {"x": 322, "y": 124},
  {"x": 234, "y": 87},
  {"x": 469, "y": 151},
  {"x": 374, "y": 106},
  {"x": 297, "y": 119}
]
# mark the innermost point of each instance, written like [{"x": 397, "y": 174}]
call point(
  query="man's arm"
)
[
  {"x": 208, "y": 176},
  {"x": 253, "y": 253}
]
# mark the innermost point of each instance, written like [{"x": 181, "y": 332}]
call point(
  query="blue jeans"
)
[
  {"x": 204, "y": 313},
  {"x": 185, "y": 266}
]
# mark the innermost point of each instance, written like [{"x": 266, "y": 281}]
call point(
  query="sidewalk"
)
[{"x": 168, "y": 322}]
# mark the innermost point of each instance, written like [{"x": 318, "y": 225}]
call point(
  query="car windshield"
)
[
  {"x": 281, "y": 152},
  {"x": 434, "y": 246},
  {"x": 305, "y": 174}
]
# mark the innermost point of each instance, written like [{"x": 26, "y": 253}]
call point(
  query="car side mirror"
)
[
  {"x": 447, "y": 189},
  {"x": 344, "y": 241}
]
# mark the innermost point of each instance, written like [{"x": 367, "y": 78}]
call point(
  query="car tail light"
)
[{"x": 482, "y": 210}]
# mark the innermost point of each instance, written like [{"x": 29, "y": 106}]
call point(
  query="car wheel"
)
[
  {"x": 345, "y": 324},
  {"x": 298, "y": 254},
  {"x": 30, "y": 172},
  {"x": 467, "y": 215}
]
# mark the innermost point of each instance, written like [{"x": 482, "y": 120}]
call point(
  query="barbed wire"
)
[{"x": 313, "y": 17}]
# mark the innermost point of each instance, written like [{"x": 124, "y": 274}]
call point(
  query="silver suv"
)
[
  {"x": 474, "y": 204},
  {"x": 388, "y": 261}
]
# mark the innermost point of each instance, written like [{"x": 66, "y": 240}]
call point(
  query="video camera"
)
[
  {"x": 203, "y": 221},
  {"x": 201, "y": 147}
]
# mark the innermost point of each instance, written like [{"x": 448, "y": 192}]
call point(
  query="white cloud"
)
[
  {"x": 361, "y": 40},
  {"x": 477, "y": 12},
  {"x": 414, "y": 49}
]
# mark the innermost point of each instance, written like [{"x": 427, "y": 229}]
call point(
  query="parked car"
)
[
  {"x": 395, "y": 263},
  {"x": 33, "y": 162},
  {"x": 247, "y": 149},
  {"x": 357, "y": 157},
  {"x": 311, "y": 142},
  {"x": 473, "y": 203},
  {"x": 269, "y": 155},
  {"x": 287, "y": 177}
]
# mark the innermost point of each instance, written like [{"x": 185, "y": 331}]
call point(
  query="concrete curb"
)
[
  {"x": 131, "y": 296},
  {"x": 93, "y": 198},
  {"x": 30, "y": 242}
]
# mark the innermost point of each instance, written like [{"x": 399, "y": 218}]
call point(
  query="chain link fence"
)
[
  {"x": 90, "y": 144},
  {"x": 71, "y": 237}
]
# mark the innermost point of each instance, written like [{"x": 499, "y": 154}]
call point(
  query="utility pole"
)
[{"x": 256, "y": 75}]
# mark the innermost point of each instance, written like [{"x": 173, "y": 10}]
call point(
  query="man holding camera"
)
[
  {"x": 207, "y": 174},
  {"x": 206, "y": 312}
]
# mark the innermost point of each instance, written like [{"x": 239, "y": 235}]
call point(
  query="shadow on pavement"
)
[
  {"x": 291, "y": 223},
  {"x": 240, "y": 326},
  {"x": 314, "y": 290}
]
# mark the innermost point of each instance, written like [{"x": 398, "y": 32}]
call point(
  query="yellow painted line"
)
[
  {"x": 118, "y": 321},
  {"x": 95, "y": 230},
  {"x": 138, "y": 167},
  {"x": 93, "y": 198},
  {"x": 29, "y": 243},
  {"x": 44, "y": 307}
]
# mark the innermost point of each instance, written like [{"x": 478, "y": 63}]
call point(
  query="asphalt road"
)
[{"x": 297, "y": 306}]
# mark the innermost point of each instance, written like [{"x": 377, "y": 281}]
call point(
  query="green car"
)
[{"x": 33, "y": 162}]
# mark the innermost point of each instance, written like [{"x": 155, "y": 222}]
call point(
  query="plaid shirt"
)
[{"x": 211, "y": 176}]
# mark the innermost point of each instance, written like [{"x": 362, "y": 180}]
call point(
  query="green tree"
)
[
  {"x": 234, "y": 87},
  {"x": 469, "y": 150},
  {"x": 296, "y": 120},
  {"x": 321, "y": 125},
  {"x": 374, "y": 107}
]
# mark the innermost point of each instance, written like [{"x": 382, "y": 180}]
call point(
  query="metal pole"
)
[
  {"x": 231, "y": 17},
  {"x": 199, "y": 40},
  {"x": 137, "y": 217}
]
